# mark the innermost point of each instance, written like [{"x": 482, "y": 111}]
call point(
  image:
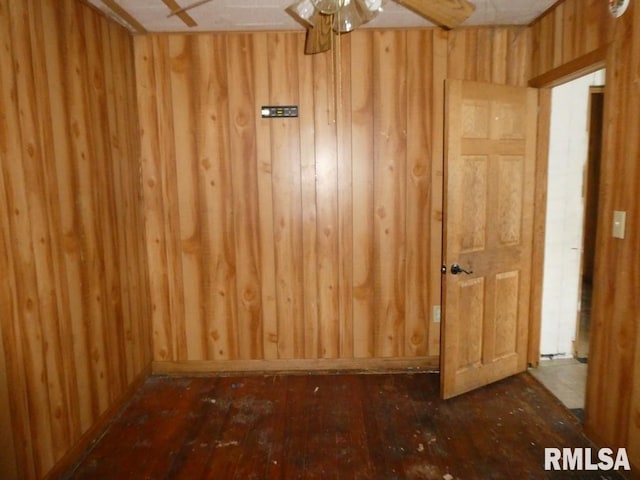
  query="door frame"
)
[
  {"x": 544, "y": 83},
  {"x": 591, "y": 193}
]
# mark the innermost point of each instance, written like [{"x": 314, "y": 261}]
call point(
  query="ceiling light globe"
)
[
  {"x": 303, "y": 12},
  {"x": 329, "y": 7},
  {"x": 374, "y": 5}
]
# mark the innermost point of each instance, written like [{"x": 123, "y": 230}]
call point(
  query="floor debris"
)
[{"x": 230, "y": 443}]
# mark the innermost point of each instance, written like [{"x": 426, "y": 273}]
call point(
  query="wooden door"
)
[{"x": 488, "y": 229}]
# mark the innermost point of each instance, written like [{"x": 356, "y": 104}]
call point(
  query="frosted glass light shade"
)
[
  {"x": 349, "y": 17},
  {"x": 302, "y": 11},
  {"x": 372, "y": 5},
  {"x": 329, "y": 7}
]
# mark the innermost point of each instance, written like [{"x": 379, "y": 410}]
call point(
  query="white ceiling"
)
[{"x": 224, "y": 15}]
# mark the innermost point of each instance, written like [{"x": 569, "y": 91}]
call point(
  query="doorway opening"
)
[{"x": 572, "y": 207}]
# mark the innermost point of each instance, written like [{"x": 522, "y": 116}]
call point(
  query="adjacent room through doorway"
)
[{"x": 572, "y": 207}]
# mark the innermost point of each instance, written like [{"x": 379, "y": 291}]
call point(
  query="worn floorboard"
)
[{"x": 379, "y": 427}]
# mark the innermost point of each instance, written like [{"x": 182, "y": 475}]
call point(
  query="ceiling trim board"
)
[{"x": 117, "y": 9}]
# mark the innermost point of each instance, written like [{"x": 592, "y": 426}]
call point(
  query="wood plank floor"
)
[{"x": 380, "y": 427}]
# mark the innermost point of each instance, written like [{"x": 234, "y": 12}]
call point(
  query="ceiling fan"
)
[{"x": 322, "y": 18}]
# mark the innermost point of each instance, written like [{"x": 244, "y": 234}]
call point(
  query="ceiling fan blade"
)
[
  {"x": 188, "y": 7},
  {"x": 319, "y": 36},
  {"x": 184, "y": 16},
  {"x": 446, "y": 13}
]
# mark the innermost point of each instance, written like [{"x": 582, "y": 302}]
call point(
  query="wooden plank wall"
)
[
  {"x": 570, "y": 30},
  {"x": 567, "y": 32},
  {"x": 286, "y": 241},
  {"x": 73, "y": 285}
]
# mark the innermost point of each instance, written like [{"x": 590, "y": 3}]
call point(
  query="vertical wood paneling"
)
[
  {"x": 149, "y": 113},
  {"x": 362, "y": 131},
  {"x": 632, "y": 188},
  {"x": 107, "y": 235},
  {"x": 345, "y": 199},
  {"x": 216, "y": 194},
  {"x": 86, "y": 185},
  {"x": 316, "y": 237},
  {"x": 61, "y": 195},
  {"x": 204, "y": 198},
  {"x": 176, "y": 344},
  {"x": 613, "y": 419},
  {"x": 518, "y": 47},
  {"x": 8, "y": 456},
  {"x": 419, "y": 170},
  {"x": 336, "y": 215},
  {"x": 245, "y": 195},
  {"x": 285, "y": 171},
  {"x": 307, "y": 81},
  {"x": 131, "y": 299},
  {"x": 74, "y": 261},
  {"x": 582, "y": 28},
  {"x": 265, "y": 198},
  {"x": 389, "y": 190},
  {"x": 184, "y": 74},
  {"x": 492, "y": 55},
  {"x": 439, "y": 74},
  {"x": 326, "y": 165},
  {"x": 24, "y": 178},
  {"x": 571, "y": 29},
  {"x": 14, "y": 227}
]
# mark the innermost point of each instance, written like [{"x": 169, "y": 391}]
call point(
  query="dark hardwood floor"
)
[{"x": 382, "y": 427}]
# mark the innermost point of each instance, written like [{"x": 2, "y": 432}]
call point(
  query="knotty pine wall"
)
[
  {"x": 73, "y": 295},
  {"x": 573, "y": 30},
  {"x": 273, "y": 243}
]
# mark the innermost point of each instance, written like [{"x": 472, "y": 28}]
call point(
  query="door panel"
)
[{"x": 489, "y": 176}]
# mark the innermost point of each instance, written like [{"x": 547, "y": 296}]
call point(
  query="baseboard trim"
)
[
  {"x": 81, "y": 447},
  {"x": 364, "y": 365}
]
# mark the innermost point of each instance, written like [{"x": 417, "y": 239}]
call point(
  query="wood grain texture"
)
[
  {"x": 496, "y": 55},
  {"x": 490, "y": 164},
  {"x": 301, "y": 238},
  {"x": 447, "y": 13},
  {"x": 565, "y": 34},
  {"x": 539, "y": 221},
  {"x": 571, "y": 29},
  {"x": 362, "y": 128},
  {"x": 151, "y": 212},
  {"x": 418, "y": 171},
  {"x": 74, "y": 314},
  {"x": 369, "y": 427},
  {"x": 389, "y": 160},
  {"x": 613, "y": 419},
  {"x": 8, "y": 457}
]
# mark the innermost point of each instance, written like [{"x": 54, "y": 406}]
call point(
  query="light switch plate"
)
[{"x": 619, "y": 223}]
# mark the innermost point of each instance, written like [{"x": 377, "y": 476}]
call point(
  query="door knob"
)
[{"x": 456, "y": 269}]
